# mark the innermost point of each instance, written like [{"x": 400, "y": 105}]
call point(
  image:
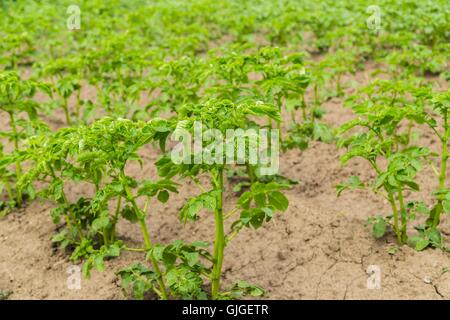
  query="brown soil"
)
[{"x": 318, "y": 249}]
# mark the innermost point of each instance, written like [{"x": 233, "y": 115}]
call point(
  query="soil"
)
[{"x": 318, "y": 249}]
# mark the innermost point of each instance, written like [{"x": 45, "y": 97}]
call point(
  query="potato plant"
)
[
  {"x": 16, "y": 100},
  {"x": 254, "y": 207},
  {"x": 246, "y": 66},
  {"x": 65, "y": 76},
  {"x": 96, "y": 155},
  {"x": 388, "y": 115},
  {"x": 437, "y": 120}
]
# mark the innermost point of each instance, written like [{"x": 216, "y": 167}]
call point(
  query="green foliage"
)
[
  {"x": 223, "y": 115},
  {"x": 16, "y": 100},
  {"x": 137, "y": 72},
  {"x": 184, "y": 271},
  {"x": 389, "y": 106}
]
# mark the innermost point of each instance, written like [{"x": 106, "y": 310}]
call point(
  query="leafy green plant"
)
[
  {"x": 16, "y": 100},
  {"x": 255, "y": 206},
  {"x": 98, "y": 154},
  {"x": 437, "y": 121},
  {"x": 65, "y": 73},
  {"x": 183, "y": 272},
  {"x": 284, "y": 80},
  {"x": 396, "y": 164},
  {"x": 17, "y": 49}
]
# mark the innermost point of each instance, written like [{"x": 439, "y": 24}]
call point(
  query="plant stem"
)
[
  {"x": 404, "y": 237},
  {"x": 77, "y": 106},
  {"x": 148, "y": 247},
  {"x": 116, "y": 218},
  {"x": 145, "y": 233},
  {"x": 410, "y": 125},
  {"x": 392, "y": 202},
  {"x": 231, "y": 213},
  {"x": 443, "y": 170},
  {"x": 233, "y": 234},
  {"x": 70, "y": 214},
  {"x": 9, "y": 190},
  {"x": 251, "y": 172},
  {"x": 16, "y": 148},
  {"x": 66, "y": 112},
  {"x": 303, "y": 106},
  {"x": 279, "y": 122},
  {"x": 395, "y": 213},
  {"x": 219, "y": 244},
  {"x": 69, "y": 224},
  {"x": 135, "y": 249},
  {"x": 105, "y": 237},
  {"x": 198, "y": 184},
  {"x": 338, "y": 85},
  {"x": 316, "y": 95}
]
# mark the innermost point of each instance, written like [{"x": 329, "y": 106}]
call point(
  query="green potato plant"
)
[
  {"x": 16, "y": 100},
  {"x": 284, "y": 78},
  {"x": 179, "y": 81},
  {"x": 183, "y": 272},
  {"x": 230, "y": 73},
  {"x": 16, "y": 50},
  {"x": 98, "y": 154},
  {"x": 229, "y": 65},
  {"x": 65, "y": 73},
  {"x": 381, "y": 142},
  {"x": 437, "y": 120},
  {"x": 255, "y": 206}
]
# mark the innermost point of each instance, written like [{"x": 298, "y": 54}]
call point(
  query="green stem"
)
[
  {"x": 9, "y": 190},
  {"x": 148, "y": 247},
  {"x": 395, "y": 213},
  {"x": 404, "y": 236},
  {"x": 70, "y": 214},
  {"x": 198, "y": 184},
  {"x": 279, "y": 122},
  {"x": 410, "y": 125},
  {"x": 443, "y": 170},
  {"x": 145, "y": 233},
  {"x": 391, "y": 200},
  {"x": 233, "y": 234},
  {"x": 116, "y": 218},
  {"x": 16, "y": 148},
  {"x": 66, "y": 112},
  {"x": 77, "y": 106},
  {"x": 231, "y": 213},
  {"x": 316, "y": 95},
  {"x": 105, "y": 237},
  {"x": 135, "y": 249},
  {"x": 219, "y": 244},
  {"x": 338, "y": 86},
  {"x": 69, "y": 224},
  {"x": 303, "y": 108},
  {"x": 251, "y": 172}
]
